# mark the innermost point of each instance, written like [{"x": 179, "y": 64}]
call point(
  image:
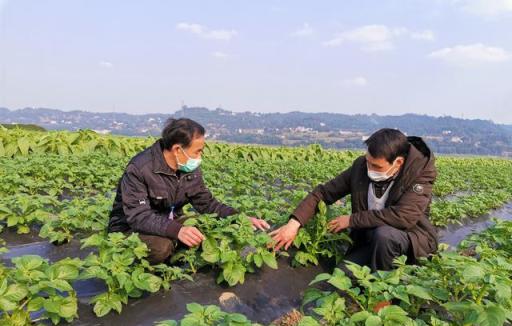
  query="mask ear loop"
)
[
  {"x": 396, "y": 172},
  {"x": 190, "y": 158},
  {"x": 176, "y": 156}
]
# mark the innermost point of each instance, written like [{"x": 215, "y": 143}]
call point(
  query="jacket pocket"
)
[{"x": 158, "y": 200}]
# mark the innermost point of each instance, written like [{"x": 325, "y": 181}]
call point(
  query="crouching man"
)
[
  {"x": 158, "y": 182},
  {"x": 390, "y": 188}
]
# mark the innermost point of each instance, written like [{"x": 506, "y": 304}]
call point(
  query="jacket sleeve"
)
[
  {"x": 404, "y": 214},
  {"x": 139, "y": 214},
  {"x": 204, "y": 202},
  {"x": 328, "y": 192}
]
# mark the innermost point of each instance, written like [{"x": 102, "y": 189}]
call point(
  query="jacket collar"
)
[
  {"x": 159, "y": 164},
  {"x": 417, "y": 159}
]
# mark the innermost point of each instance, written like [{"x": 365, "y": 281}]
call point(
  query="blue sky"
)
[{"x": 436, "y": 57}]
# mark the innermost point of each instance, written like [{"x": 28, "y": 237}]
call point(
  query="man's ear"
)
[
  {"x": 174, "y": 148},
  {"x": 400, "y": 160}
]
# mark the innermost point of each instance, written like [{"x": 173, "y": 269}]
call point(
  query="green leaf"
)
[
  {"x": 419, "y": 291},
  {"x": 35, "y": 304},
  {"x": 311, "y": 295},
  {"x": 492, "y": 315},
  {"x": 393, "y": 313},
  {"x": 233, "y": 273},
  {"x": 373, "y": 321},
  {"x": 66, "y": 272},
  {"x": 104, "y": 303},
  {"x": 24, "y": 145},
  {"x": 68, "y": 307},
  {"x": 15, "y": 292},
  {"x": 51, "y": 305},
  {"x": 61, "y": 285},
  {"x": 211, "y": 252},
  {"x": 258, "y": 260},
  {"x": 359, "y": 316},
  {"x": 12, "y": 220},
  {"x": 320, "y": 278},
  {"x": 459, "y": 307},
  {"x": 322, "y": 208},
  {"x": 503, "y": 291},
  {"x": 269, "y": 259},
  {"x": 7, "y": 305},
  {"x": 340, "y": 280},
  {"x": 194, "y": 307},
  {"x": 94, "y": 240},
  {"x": 28, "y": 262},
  {"x": 308, "y": 321},
  {"x": 146, "y": 281},
  {"x": 237, "y": 318},
  {"x": 473, "y": 273}
]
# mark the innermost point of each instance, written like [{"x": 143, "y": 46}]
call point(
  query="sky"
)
[{"x": 435, "y": 57}]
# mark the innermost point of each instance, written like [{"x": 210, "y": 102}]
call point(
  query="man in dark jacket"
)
[
  {"x": 158, "y": 182},
  {"x": 391, "y": 192}
]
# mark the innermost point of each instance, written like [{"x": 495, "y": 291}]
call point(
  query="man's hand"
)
[
  {"x": 284, "y": 236},
  {"x": 339, "y": 223},
  {"x": 190, "y": 236},
  {"x": 259, "y": 224}
]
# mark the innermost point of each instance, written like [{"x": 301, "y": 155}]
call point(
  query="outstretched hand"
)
[
  {"x": 339, "y": 223},
  {"x": 284, "y": 236},
  {"x": 190, "y": 236},
  {"x": 258, "y": 223}
]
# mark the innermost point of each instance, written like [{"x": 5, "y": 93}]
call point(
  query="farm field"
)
[{"x": 59, "y": 266}]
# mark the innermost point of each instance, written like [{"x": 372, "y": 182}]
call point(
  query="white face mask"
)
[{"x": 380, "y": 176}]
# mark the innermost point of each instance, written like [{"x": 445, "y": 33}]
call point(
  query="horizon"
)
[
  {"x": 443, "y": 57},
  {"x": 255, "y": 112}
]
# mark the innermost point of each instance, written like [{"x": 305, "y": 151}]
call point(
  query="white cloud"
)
[
  {"x": 305, "y": 30},
  {"x": 485, "y": 7},
  {"x": 219, "y": 55},
  {"x": 377, "y": 37},
  {"x": 106, "y": 64},
  {"x": 356, "y": 81},
  {"x": 203, "y": 31},
  {"x": 193, "y": 28},
  {"x": 472, "y": 54},
  {"x": 426, "y": 35}
]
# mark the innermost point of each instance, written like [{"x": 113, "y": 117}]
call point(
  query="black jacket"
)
[
  {"x": 148, "y": 189},
  {"x": 407, "y": 207}
]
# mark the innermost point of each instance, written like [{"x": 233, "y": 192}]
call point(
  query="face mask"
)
[
  {"x": 380, "y": 176},
  {"x": 191, "y": 165}
]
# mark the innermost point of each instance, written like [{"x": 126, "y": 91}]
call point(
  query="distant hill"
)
[
  {"x": 32, "y": 127},
  {"x": 444, "y": 134}
]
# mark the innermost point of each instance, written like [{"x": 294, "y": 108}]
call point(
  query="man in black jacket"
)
[
  {"x": 158, "y": 182},
  {"x": 391, "y": 192}
]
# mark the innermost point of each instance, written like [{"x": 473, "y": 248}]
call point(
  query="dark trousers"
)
[
  {"x": 160, "y": 248},
  {"x": 377, "y": 247}
]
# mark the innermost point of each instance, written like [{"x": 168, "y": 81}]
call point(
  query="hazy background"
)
[{"x": 444, "y": 57}]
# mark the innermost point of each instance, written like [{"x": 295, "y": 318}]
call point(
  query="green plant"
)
[
  {"x": 21, "y": 211},
  {"x": 315, "y": 241},
  {"x": 121, "y": 265},
  {"x": 86, "y": 215},
  {"x": 231, "y": 244},
  {"x": 34, "y": 285},
  {"x": 354, "y": 305},
  {"x": 208, "y": 316}
]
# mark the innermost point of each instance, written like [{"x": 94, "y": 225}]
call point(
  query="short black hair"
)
[
  {"x": 388, "y": 143},
  {"x": 180, "y": 131}
]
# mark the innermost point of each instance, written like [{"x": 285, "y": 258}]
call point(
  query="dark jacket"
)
[
  {"x": 148, "y": 189},
  {"x": 407, "y": 207}
]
